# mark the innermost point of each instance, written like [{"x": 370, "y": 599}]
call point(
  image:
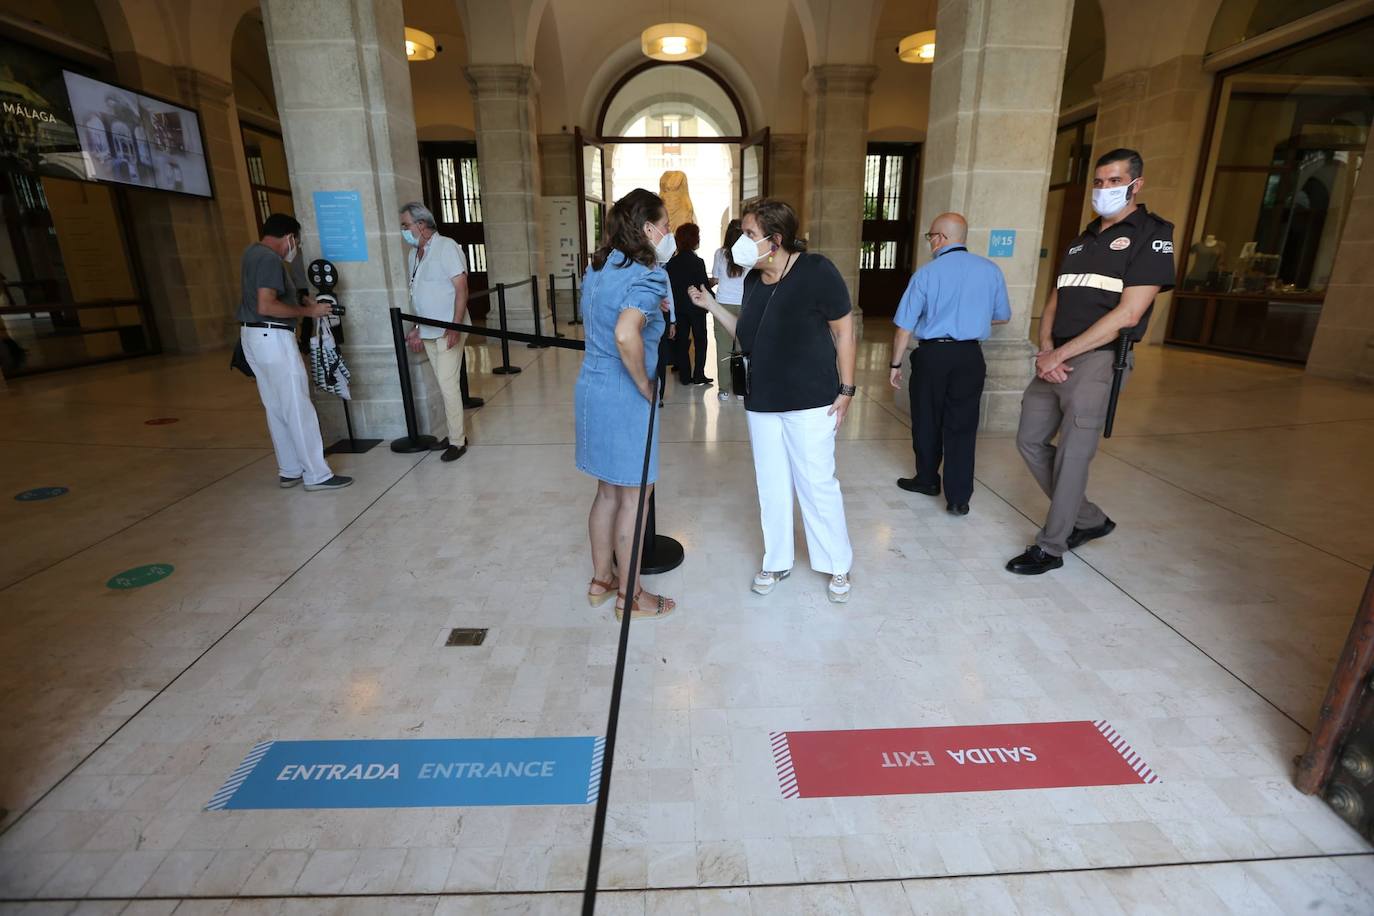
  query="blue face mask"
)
[{"x": 410, "y": 238}]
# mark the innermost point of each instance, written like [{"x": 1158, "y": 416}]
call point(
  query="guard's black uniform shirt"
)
[{"x": 1137, "y": 251}]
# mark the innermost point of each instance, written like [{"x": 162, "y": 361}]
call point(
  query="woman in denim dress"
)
[{"x": 622, "y": 292}]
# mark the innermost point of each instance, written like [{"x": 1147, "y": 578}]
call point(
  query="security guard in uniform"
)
[{"x": 1108, "y": 281}]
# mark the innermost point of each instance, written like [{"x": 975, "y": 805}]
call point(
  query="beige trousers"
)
[{"x": 447, "y": 363}]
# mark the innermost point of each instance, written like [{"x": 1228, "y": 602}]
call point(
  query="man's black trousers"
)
[
  {"x": 691, "y": 324},
  {"x": 946, "y": 387}
]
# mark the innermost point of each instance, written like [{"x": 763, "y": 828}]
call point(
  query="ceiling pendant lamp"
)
[
  {"x": 918, "y": 48},
  {"x": 420, "y": 45},
  {"x": 673, "y": 41}
]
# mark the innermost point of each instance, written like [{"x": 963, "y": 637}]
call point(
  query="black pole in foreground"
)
[
  {"x": 505, "y": 368},
  {"x": 412, "y": 441},
  {"x": 576, "y": 318},
  {"x": 617, "y": 684},
  {"x": 1123, "y": 350}
]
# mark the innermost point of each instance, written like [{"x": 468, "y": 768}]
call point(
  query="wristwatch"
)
[
  {"x": 895, "y": 366},
  {"x": 848, "y": 390}
]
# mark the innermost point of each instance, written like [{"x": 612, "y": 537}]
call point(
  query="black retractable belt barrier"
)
[
  {"x": 505, "y": 368},
  {"x": 553, "y": 307},
  {"x": 577, "y": 295},
  {"x": 412, "y": 441},
  {"x": 538, "y": 323}
]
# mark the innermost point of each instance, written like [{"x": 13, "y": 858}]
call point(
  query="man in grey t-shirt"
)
[{"x": 267, "y": 314}]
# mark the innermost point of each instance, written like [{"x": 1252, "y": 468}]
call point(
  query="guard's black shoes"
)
[
  {"x": 454, "y": 452},
  {"x": 960, "y": 509},
  {"x": 1082, "y": 536},
  {"x": 911, "y": 486},
  {"x": 473, "y": 403},
  {"x": 1034, "y": 562},
  {"x": 440, "y": 445}
]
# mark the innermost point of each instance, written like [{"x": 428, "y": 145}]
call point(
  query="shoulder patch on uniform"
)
[
  {"x": 1120, "y": 244},
  {"x": 1075, "y": 249}
]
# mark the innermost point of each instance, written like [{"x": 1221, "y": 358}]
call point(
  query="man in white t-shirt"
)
[{"x": 438, "y": 290}]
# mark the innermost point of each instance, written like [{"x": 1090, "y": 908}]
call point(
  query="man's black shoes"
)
[
  {"x": 1034, "y": 562},
  {"x": 454, "y": 452},
  {"x": 960, "y": 509},
  {"x": 1081, "y": 536},
  {"x": 911, "y": 486}
]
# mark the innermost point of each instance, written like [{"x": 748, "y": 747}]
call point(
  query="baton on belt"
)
[{"x": 1123, "y": 349}]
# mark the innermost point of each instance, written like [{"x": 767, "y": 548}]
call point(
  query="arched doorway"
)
[{"x": 677, "y": 129}]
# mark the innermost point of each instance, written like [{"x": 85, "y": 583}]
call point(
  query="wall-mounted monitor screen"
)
[{"x": 129, "y": 138}]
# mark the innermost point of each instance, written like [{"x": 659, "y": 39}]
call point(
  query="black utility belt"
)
[
  {"x": 1105, "y": 348},
  {"x": 935, "y": 340},
  {"x": 267, "y": 324}
]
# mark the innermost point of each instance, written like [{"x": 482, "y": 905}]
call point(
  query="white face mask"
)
[
  {"x": 745, "y": 251},
  {"x": 1111, "y": 201},
  {"x": 666, "y": 248}
]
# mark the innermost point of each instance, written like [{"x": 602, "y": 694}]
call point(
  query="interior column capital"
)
[
  {"x": 840, "y": 79},
  {"x": 497, "y": 80}
]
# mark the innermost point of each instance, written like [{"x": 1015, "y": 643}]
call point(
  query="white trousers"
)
[
  {"x": 447, "y": 363},
  {"x": 285, "y": 392},
  {"x": 795, "y": 450}
]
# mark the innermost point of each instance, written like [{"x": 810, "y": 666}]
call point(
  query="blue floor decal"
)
[{"x": 421, "y": 773}]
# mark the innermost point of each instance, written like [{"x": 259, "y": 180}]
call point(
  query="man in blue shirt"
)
[{"x": 949, "y": 305}]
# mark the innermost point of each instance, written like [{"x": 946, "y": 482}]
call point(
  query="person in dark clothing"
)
[{"x": 685, "y": 270}]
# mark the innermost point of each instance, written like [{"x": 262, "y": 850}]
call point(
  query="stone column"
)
[
  {"x": 836, "y": 142},
  {"x": 1158, "y": 111},
  {"x": 343, "y": 90},
  {"x": 994, "y": 104},
  {"x": 1344, "y": 345},
  {"x": 503, "y": 97}
]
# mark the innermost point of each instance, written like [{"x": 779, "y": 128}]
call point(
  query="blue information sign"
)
[
  {"x": 36, "y": 493},
  {"x": 339, "y": 219},
  {"x": 1001, "y": 243},
  {"x": 420, "y": 773}
]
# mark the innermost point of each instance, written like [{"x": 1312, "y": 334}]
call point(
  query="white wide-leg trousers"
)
[
  {"x": 795, "y": 451},
  {"x": 285, "y": 392}
]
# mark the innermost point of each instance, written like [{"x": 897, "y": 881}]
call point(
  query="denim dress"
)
[{"x": 612, "y": 416}]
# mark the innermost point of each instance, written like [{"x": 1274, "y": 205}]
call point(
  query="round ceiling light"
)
[
  {"x": 918, "y": 48},
  {"x": 420, "y": 45},
  {"x": 673, "y": 41}
]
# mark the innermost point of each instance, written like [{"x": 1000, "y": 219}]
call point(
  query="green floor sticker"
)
[{"x": 140, "y": 576}]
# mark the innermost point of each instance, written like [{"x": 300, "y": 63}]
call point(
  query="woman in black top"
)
[
  {"x": 797, "y": 329},
  {"x": 685, "y": 270}
]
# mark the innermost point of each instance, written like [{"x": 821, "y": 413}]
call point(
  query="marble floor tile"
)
[{"x": 293, "y": 615}]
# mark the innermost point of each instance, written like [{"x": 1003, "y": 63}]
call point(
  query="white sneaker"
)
[
  {"x": 838, "y": 590},
  {"x": 724, "y": 395},
  {"x": 765, "y": 580}
]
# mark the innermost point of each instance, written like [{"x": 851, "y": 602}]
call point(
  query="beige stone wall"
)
[
  {"x": 558, "y": 165},
  {"x": 189, "y": 247},
  {"x": 787, "y": 171},
  {"x": 994, "y": 106},
  {"x": 1344, "y": 345},
  {"x": 836, "y": 141},
  {"x": 1161, "y": 111}
]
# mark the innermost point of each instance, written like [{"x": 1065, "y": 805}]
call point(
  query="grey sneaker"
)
[
  {"x": 765, "y": 580},
  {"x": 838, "y": 590},
  {"x": 336, "y": 482},
  {"x": 287, "y": 483}
]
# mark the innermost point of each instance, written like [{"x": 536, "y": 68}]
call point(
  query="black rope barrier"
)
[{"x": 553, "y": 302}]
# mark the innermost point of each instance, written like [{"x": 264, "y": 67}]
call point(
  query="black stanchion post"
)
[
  {"x": 505, "y": 368},
  {"x": 538, "y": 323},
  {"x": 661, "y": 553},
  {"x": 412, "y": 441},
  {"x": 576, "y": 319}
]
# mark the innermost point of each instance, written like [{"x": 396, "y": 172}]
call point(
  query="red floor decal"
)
[{"x": 972, "y": 758}]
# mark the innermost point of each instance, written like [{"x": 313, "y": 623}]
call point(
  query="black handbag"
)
[{"x": 240, "y": 362}]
